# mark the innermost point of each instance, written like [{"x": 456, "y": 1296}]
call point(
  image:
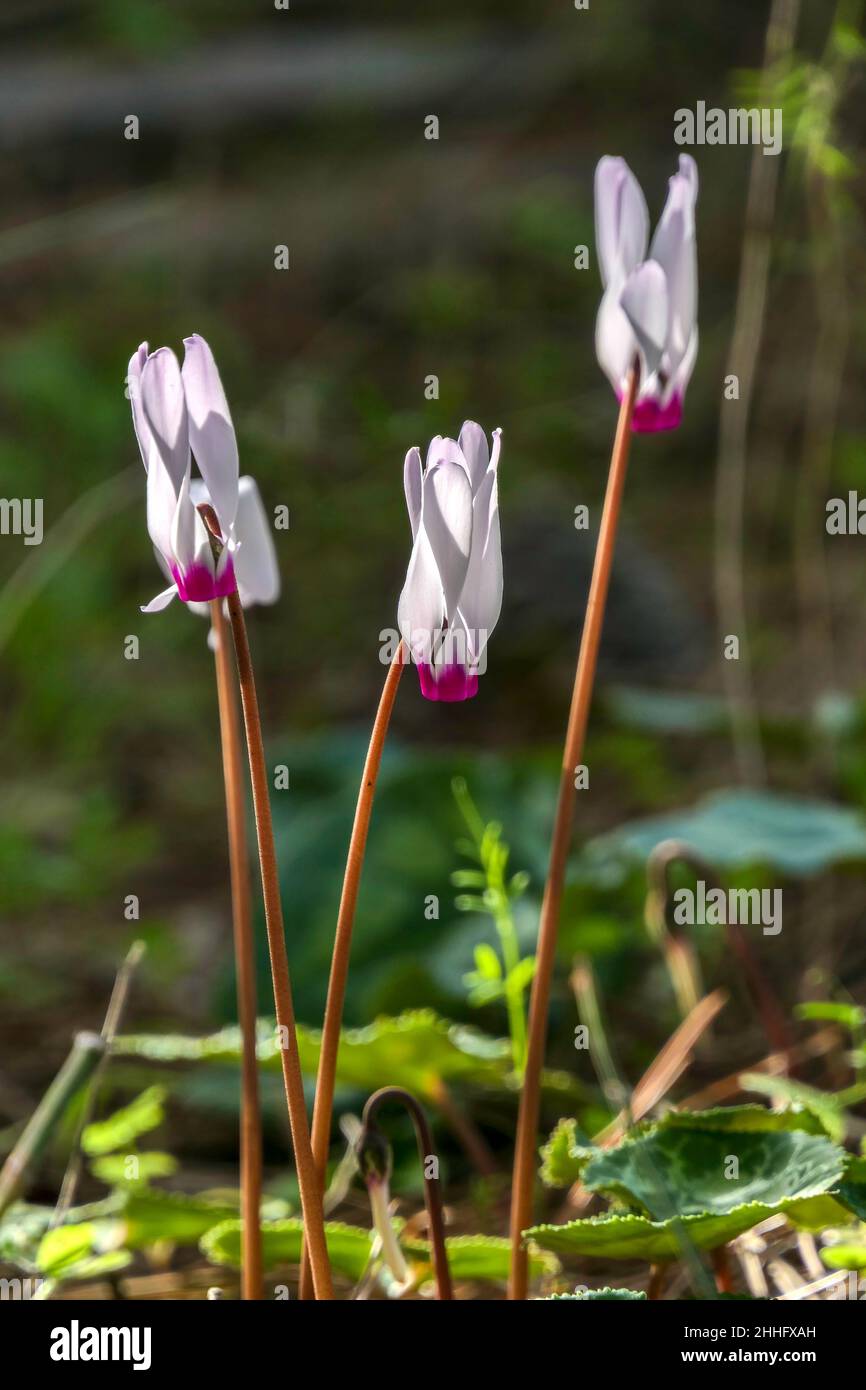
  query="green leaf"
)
[
  {"x": 119, "y": 1130},
  {"x": 739, "y": 829},
  {"x": 65, "y": 1251},
  {"x": 565, "y": 1155},
  {"x": 522, "y": 974},
  {"x": 666, "y": 711},
  {"x": 468, "y": 878},
  {"x": 348, "y": 1246},
  {"x": 116, "y": 1170},
  {"x": 487, "y": 962},
  {"x": 567, "y": 1151},
  {"x": 683, "y": 1172},
  {"x": 844, "y": 1256},
  {"x": 820, "y": 1103},
  {"x": 748, "y": 1119},
  {"x": 151, "y": 1216},
  {"x": 848, "y": 1015},
  {"x": 852, "y": 1189},
  {"x": 605, "y": 1295},
  {"x": 484, "y": 1258},
  {"x": 638, "y": 1238}
]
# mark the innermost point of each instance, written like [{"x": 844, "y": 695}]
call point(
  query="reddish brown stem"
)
[
  {"x": 308, "y": 1182},
  {"x": 245, "y": 962},
  {"x": 432, "y": 1189},
  {"x": 722, "y": 1270},
  {"x": 327, "y": 1072},
  {"x": 527, "y": 1120}
]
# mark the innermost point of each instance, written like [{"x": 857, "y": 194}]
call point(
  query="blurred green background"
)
[{"x": 408, "y": 257}]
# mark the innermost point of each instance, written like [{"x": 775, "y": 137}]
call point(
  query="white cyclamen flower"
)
[
  {"x": 173, "y": 411},
  {"x": 649, "y": 307},
  {"x": 452, "y": 596}
]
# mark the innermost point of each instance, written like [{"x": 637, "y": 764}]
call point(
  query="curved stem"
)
[
  {"x": 308, "y": 1182},
  {"x": 527, "y": 1120},
  {"x": 245, "y": 962},
  {"x": 327, "y": 1071},
  {"x": 432, "y": 1189}
]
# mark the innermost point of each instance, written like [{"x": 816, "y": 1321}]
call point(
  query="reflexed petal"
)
[
  {"x": 255, "y": 555},
  {"x": 161, "y": 507},
  {"x": 443, "y": 449},
  {"x": 164, "y": 409},
  {"x": 446, "y": 519},
  {"x": 621, "y": 220},
  {"x": 616, "y": 346},
  {"x": 185, "y": 524},
  {"x": 161, "y": 601},
  {"x": 412, "y": 482},
  {"x": 674, "y": 248},
  {"x": 421, "y": 610},
  {"x": 391, "y": 1252},
  {"x": 473, "y": 445},
  {"x": 645, "y": 303},
  {"x": 133, "y": 385},
  {"x": 481, "y": 598},
  {"x": 211, "y": 431}
]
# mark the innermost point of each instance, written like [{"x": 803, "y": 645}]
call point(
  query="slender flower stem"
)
[
  {"x": 245, "y": 962},
  {"x": 432, "y": 1189},
  {"x": 311, "y": 1193},
  {"x": 527, "y": 1120},
  {"x": 326, "y": 1077}
]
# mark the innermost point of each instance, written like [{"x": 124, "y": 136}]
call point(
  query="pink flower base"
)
[
  {"x": 454, "y": 683},
  {"x": 650, "y": 417},
  {"x": 199, "y": 584}
]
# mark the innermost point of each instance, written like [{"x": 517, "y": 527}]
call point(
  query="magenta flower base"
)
[
  {"x": 199, "y": 584},
  {"x": 454, "y": 683},
  {"x": 650, "y": 417}
]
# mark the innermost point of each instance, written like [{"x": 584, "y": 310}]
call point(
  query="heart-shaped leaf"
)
[
  {"x": 633, "y": 1237},
  {"x": 690, "y": 1172},
  {"x": 567, "y": 1151},
  {"x": 483, "y": 1258},
  {"x": 739, "y": 829},
  {"x": 417, "y": 1049}
]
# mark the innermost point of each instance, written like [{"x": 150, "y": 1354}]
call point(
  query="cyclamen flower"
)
[
  {"x": 649, "y": 307},
  {"x": 452, "y": 596},
  {"x": 173, "y": 410}
]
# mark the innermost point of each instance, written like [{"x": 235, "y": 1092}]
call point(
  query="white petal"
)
[
  {"x": 497, "y": 446},
  {"x": 616, "y": 346},
  {"x": 446, "y": 519},
  {"x": 161, "y": 506},
  {"x": 211, "y": 430},
  {"x": 255, "y": 556},
  {"x": 391, "y": 1252},
  {"x": 674, "y": 248},
  {"x": 133, "y": 385},
  {"x": 412, "y": 481},
  {"x": 185, "y": 524},
  {"x": 645, "y": 304},
  {"x": 161, "y": 601},
  {"x": 481, "y": 599},
  {"x": 621, "y": 220},
  {"x": 472, "y": 442},
  {"x": 421, "y": 610},
  {"x": 164, "y": 409}
]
